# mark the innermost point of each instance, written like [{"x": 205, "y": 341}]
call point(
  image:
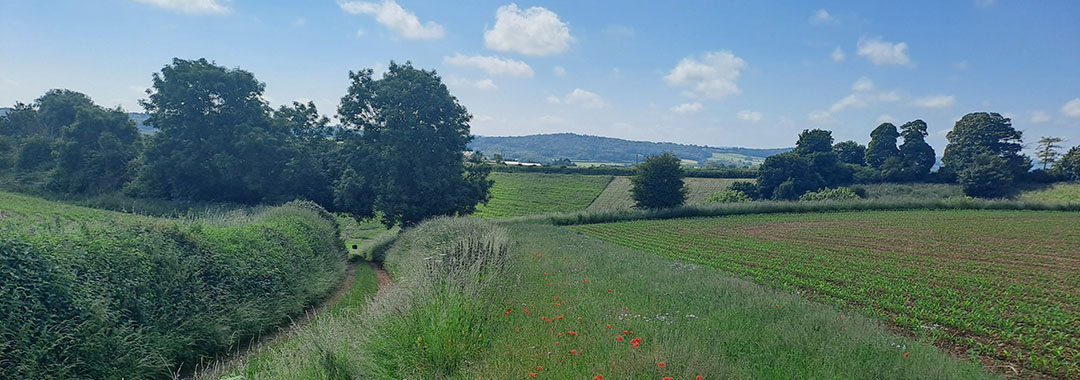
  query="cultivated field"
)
[
  {"x": 1000, "y": 285},
  {"x": 517, "y": 194},
  {"x": 617, "y": 194}
]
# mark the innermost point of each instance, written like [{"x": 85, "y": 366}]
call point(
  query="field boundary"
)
[{"x": 773, "y": 207}]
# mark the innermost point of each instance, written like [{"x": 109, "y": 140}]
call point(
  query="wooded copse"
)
[{"x": 398, "y": 152}]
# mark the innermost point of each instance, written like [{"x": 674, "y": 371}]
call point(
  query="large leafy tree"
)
[
  {"x": 94, "y": 151},
  {"x": 917, "y": 156},
  {"x": 412, "y": 134},
  {"x": 1068, "y": 167},
  {"x": 882, "y": 145},
  {"x": 658, "y": 182},
  {"x": 58, "y": 109},
  {"x": 985, "y": 133},
  {"x": 215, "y": 138},
  {"x": 987, "y": 175},
  {"x": 313, "y": 162},
  {"x": 22, "y": 121},
  {"x": 786, "y": 176},
  {"x": 850, "y": 152}
]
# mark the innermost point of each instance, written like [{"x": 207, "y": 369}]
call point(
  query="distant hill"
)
[
  {"x": 140, "y": 122},
  {"x": 588, "y": 150}
]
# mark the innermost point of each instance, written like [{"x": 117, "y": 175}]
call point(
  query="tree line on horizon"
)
[{"x": 398, "y": 152}]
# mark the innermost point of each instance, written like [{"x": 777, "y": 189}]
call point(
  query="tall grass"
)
[
  {"x": 96, "y": 294},
  {"x": 429, "y": 324}
]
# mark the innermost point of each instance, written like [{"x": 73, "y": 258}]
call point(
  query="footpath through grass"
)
[
  {"x": 517, "y": 194},
  {"x": 579, "y": 308},
  {"x": 1003, "y": 285}
]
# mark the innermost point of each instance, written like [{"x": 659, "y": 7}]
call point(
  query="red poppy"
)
[
  {"x": 699, "y": 378},
  {"x": 661, "y": 365},
  {"x": 573, "y": 352},
  {"x": 906, "y": 354},
  {"x": 619, "y": 338},
  {"x": 609, "y": 326},
  {"x": 598, "y": 377},
  {"x": 540, "y": 368},
  {"x": 532, "y": 374},
  {"x": 609, "y": 290}
]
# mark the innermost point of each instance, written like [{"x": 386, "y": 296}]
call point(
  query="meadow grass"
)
[
  {"x": 932, "y": 273},
  {"x": 1058, "y": 192},
  {"x": 912, "y": 191},
  {"x": 616, "y": 196},
  {"x": 571, "y": 297},
  {"x": 516, "y": 194},
  {"x": 90, "y": 293}
]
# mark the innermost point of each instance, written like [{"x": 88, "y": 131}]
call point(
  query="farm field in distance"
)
[
  {"x": 617, "y": 194},
  {"x": 1000, "y": 285},
  {"x": 517, "y": 194}
]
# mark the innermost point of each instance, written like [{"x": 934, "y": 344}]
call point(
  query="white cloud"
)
[
  {"x": 584, "y": 98},
  {"x": 850, "y": 101},
  {"x": 749, "y": 115},
  {"x": 820, "y": 117},
  {"x": 492, "y": 65},
  {"x": 554, "y": 100},
  {"x": 535, "y": 31},
  {"x": 935, "y": 101},
  {"x": 713, "y": 76},
  {"x": 882, "y": 52},
  {"x": 687, "y": 108},
  {"x": 402, "y": 22},
  {"x": 1072, "y": 108},
  {"x": 1039, "y": 117},
  {"x": 191, "y": 6},
  {"x": 483, "y": 84},
  {"x": 822, "y": 16},
  {"x": 863, "y": 84},
  {"x": 559, "y": 71},
  {"x": 838, "y": 55},
  {"x": 886, "y": 119}
]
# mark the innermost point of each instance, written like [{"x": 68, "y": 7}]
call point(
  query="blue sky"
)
[{"x": 721, "y": 73}]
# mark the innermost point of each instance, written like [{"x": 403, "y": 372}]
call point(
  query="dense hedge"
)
[
  {"x": 92, "y": 294},
  {"x": 624, "y": 171}
]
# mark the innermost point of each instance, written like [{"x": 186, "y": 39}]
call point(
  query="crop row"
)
[{"x": 1000, "y": 283}]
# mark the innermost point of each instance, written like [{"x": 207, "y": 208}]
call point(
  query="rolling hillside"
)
[{"x": 545, "y": 148}]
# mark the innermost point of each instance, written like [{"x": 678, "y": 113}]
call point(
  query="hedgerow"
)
[{"x": 96, "y": 294}]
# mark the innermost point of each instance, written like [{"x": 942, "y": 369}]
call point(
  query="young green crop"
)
[
  {"x": 1001, "y": 284},
  {"x": 616, "y": 195},
  {"x": 517, "y": 194}
]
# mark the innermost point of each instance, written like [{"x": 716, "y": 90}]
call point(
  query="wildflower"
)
[
  {"x": 609, "y": 290},
  {"x": 586, "y": 281},
  {"x": 699, "y": 377},
  {"x": 635, "y": 342},
  {"x": 625, "y": 332},
  {"x": 906, "y": 354},
  {"x": 573, "y": 352},
  {"x": 619, "y": 338},
  {"x": 668, "y": 378},
  {"x": 598, "y": 377},
  {"x": 540, "y": 368},
  {"x": 662, "y": 365},
  {"x": 556, "y": 343},
  {"x": 532, "y": 374},
  {"x": 609, "y": 326},
  {"x": 631, "y": 333},
  {"x": 579, "y": 319}
]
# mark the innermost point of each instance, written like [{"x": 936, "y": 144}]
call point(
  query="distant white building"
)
[{"x": 521, "y": 163}]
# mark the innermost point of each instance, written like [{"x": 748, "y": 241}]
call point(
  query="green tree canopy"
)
[
  {"x": 986, "y": 175},
  {"x": 58, "y": 108},
  {"x": 1068, "y": 167},
  {"x": 985, "y": 133},
  {"x": 94, "y": 151},
  {"x": 790, "y": 168},
  {"x": 917, "y": 156},
  {"x": 850, "y": 152},
  {"x": 658, "y": 182},
  {"x": 814, "y": 141},
  {"x": 412, "y": 135},
  {"x": 882, "y": 145},
  {"x": 1047, "y": 152},
  {"x": 215, "y": 140}
]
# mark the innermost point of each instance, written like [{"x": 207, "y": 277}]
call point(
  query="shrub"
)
[
  {"x": 827, "y": 194},
  {"x": 35, "y": 154},
  {"x": 986, "y": 176},
  {"x": 748, "y": 188},
  {"x": 728, "y": 196},
  {"x": 111, "y": 295}
]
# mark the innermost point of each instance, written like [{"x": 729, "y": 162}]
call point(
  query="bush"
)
[
  {"x": 748, "y": 188},
  {"x": 728, "y": 196},
  {"x": 109, "y": 295},
  {"x": 986, "y": 176},
  {"x": 35, "y": 154},
  {"x": 827, "y": 194}
]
